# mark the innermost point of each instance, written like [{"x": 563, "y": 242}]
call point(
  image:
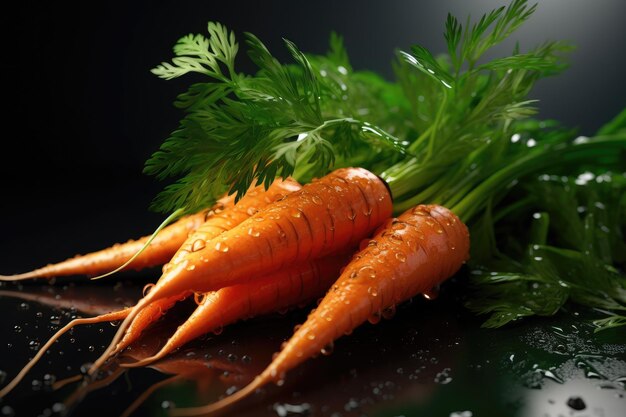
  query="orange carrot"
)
[
  {"x": 159, "y": 251},
  {"x": 328, "y": 215},
  {"x": 274, "y": 292},
  {"x": 410, "y": 255}
]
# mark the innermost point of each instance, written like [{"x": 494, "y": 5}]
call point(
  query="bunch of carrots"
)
[
  {"x": 282, "y": 247},
  {"x": 364, "y": 237}
]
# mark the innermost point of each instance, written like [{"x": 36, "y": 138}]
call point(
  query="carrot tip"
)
[{"x": 19, "y": 277}]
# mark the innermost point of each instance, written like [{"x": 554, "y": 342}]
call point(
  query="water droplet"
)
[
  {"x": 328, "y": 349},
  {"x": 198, "y": 245},
  {"x": 351, "y": 215},
  {"x": 146, "y": 289},
  {"x": 246, "y": 359},
  {"x": 91, "y": 348},
  {"x": 191, "y": 267},
  {"x": 374, "y": 318},
  {"x": 395, "y": 238},
  {"x": 199, "y": 298},
  {"x": 401, "y": 257},
  {"x": 443, "y": 377},
  {"x": 432, "y": 294},
  {"x": 389, "y": 312},
  {"x": 373, "y": 291},
  {"x": 24, "y": 306},
  {"x": 218, "y": 330},
  {"x": 254, "y": 233},
  {"x": 310, "y": 336},
  {"x": 317, "y": 200},
  {"x": 367, "y": 272},
  {"x": 18, "y": 329},
  {"x": 258, "y": 219},
  {"x": 576, "y": 403},
  {"x": 58, "y": 408},
  {"x": 252, "y": 211},
  {"x": 7, "y": 411},
  {"x": 296, "y": 213},
  {"x": 439, "y": 230},
  {"x": 221, "y": 247},
  {"x": 421, "y": 211},
  {"x": 166, "y": 405}
]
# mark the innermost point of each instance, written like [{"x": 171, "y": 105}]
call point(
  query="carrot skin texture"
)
[
  {"x": 407, "y": 256},
  {"x": 326, "y": 216},
  {"x": 282, "y": 289}
]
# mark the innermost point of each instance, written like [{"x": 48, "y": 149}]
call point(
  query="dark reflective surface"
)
[{"x": 431, "y": 359}]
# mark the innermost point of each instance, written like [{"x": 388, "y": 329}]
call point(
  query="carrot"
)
[
  {"x": 159, "y": 251},
  {"x": 327, "y": 215},
  {"x": 218, "y": 221},
  {"x": 279, "y": 290},
  {"x": 410, "y": 255}
]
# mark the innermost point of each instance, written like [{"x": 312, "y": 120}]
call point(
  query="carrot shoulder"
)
[{"x": 409, "y": 255}]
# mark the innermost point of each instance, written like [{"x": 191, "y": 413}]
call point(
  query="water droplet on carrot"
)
[
  {"x": 398, "y": 225},
  {"x": 374, "y": 318},
  {"x": 317, "y": 200},
  {"x": 297, "y": 214},
  {"x": 146, "y": 289},
  {"x": 389, "y": 312},
  {"x": 221, "y": 247},
  {"x": 395, "y": 238},
  {"x": 198, "y": 245},
  {"x": 420, "y": 211},
  {"x": 254, "y": 233},
  {"x": 198, "y": 298},
  {"x": 328, "y": 349},
  {"x": 252, "y": 211},
  {"x": 367, "y": 272},
  {"x": 373, "y": 291},
  {"x": 218, "y": 330},
  {"x": 191, "y": 267},
  {"x": 351, "y": 216},
  {"x": 310, "y": 336},
  {"x": 401, "y": 257},
  {"x": 258, "y": 219}
]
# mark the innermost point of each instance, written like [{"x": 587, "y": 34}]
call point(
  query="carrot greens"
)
[{"x": 457, "y": 130}]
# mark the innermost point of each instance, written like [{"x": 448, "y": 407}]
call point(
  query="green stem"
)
[{"x": 536, "y": 162}]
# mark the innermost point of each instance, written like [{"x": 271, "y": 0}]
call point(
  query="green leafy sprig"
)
[{"x": 241, "y": 129}]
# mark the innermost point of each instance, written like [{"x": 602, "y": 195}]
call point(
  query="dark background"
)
[{"x": 83, "y": 113}]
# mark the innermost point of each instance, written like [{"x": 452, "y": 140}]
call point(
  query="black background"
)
[{"x": 83, "y": 113}]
